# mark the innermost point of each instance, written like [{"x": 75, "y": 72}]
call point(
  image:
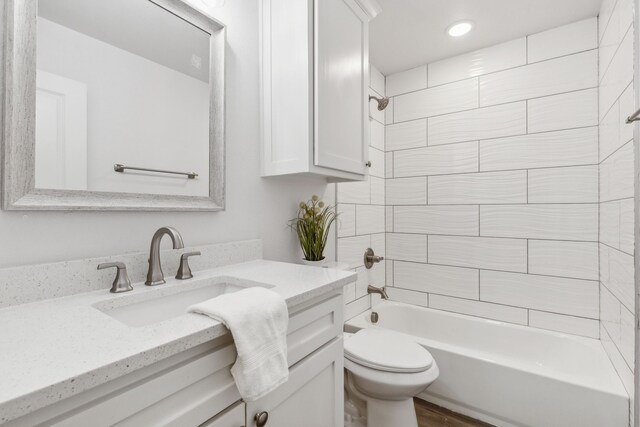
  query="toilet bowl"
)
[{"x": 384, "y": 371}]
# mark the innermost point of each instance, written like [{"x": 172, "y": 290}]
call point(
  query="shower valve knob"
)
[{"x": 368, "y": 164}]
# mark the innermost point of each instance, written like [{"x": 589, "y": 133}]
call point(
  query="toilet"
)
[{"x": 384, "y": 371}]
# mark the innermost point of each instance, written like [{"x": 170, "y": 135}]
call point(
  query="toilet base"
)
[
  {"x": 379, "y": 412},
  {"x": 385, "y": 413}
]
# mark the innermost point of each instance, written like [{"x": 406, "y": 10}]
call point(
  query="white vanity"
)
[{"x": 138, "y": 359}]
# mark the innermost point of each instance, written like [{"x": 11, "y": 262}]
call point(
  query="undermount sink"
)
[{"x": 165, "y": 302}]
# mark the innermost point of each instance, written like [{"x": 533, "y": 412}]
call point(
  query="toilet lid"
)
[{"x": 386, "y": 351}]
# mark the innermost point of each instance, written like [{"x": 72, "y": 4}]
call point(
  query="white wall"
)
[
  {"x": 492, "y": 182},
  {"x": 256, "y": 207},
  {"x": 616, "y": 166},
  {"x": 139, "y": 113}
]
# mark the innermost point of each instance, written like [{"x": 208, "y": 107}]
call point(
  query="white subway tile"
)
[
  {"x": 389, "y": 272},
  {"x": 349, "y": 293},
  {"x": 407, "y": 81},
  {"x": 564, "y": 111},
  {"x": 495, "y": 58},
  {"x": 411, "y": 134},
  {"x": 357, "y": 307},
  {"x": 350, "y": 250},
  {"x": 486, "y": 310},
  {"x": 566, "y": 74},
  {"x": 450, "y": 220},
  {"x": 627, "y": 104},
  {"x": 627, "y": 335},
  {"x": 388, "y": 112},
  {"x": 376, "y": 157},
  {"x": 481, "y": 123},
  {"x": 453, "y": 281},
  {"x": 563, "y": 323},
  {"x": 578, "y": 260},
  {"x": 478, "y": 188},
  {"x": 609, "y": 132},
  {"x": 541, "y": 150},
  {"x": 479, "y": 252},
  {"x": 564, "y": 40},
  {"x": 407, "y": 296},
  {"x": 407, "y": 247},
  {"x": 358, "y": 192},
  {"x": 617, "y": 174},
  {"x": 376, "y": 80},
  {"x": 376, "y": 135},
  {"x": 604, "y": 17},
  {"x": 407, "y": 191},
  {"x": 389, "y": 219},
  {"x": 369, "y": 219},
  {"x": 626, "y": 226},
  {"x": 620, "y": 281},
  {"x": 438, "y": 160},
  {"x": 558, "y": 295},
  {"x": 444, "y": 99},
  {"x": 618, "y": 76},
  {"x": 388, "y": 165},
  {"x": 624, "y": 372},
  {"x": 610, "y": 223},
  {"x": 377, "y": 190},
  {"x": 379, "y": 245},
  {"x": 346, "y": 221},
  {"x": 577, "y": 184},
  {"x": 616, "y": 28},
  {"x": 559, "y": 222},
  {"x": 610, "y": 310}
]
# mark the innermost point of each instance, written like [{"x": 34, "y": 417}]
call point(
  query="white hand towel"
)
[{"x": 258, "y": 319}]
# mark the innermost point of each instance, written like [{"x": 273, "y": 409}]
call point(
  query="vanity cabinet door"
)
[
  {"x": 232, "y": 417},
  {"x": 313, "y": 396},
  {"x": 341, "y": 89}
]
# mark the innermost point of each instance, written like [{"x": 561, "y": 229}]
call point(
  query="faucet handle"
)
[
  {"x": 121, "y": 283},
  {"x": 371, "y": 258},
  {"x": 184, "y": 271}
]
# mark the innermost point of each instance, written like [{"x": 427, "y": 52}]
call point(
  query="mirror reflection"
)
[{"x": 121, "y": 82}]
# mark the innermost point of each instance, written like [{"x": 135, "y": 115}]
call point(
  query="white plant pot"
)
[{"x": 314, "y": 263}]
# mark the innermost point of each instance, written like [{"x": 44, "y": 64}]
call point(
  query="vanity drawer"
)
[
  {"x": 312, "y": 326},
  {"x": 184, "y": 390}
]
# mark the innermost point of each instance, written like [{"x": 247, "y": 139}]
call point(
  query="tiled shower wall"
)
[
  {"x": 492, "y": 189},
  {"x": 616, "y": 165},
  {"x": 361, "y": 208}
]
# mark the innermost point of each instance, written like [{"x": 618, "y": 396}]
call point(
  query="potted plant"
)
[{"x": 312, "y": 226}]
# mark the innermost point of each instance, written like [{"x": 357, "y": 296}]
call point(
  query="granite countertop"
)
[{"x": 54, "y": 349}]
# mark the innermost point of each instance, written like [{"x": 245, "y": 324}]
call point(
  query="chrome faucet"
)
[
  {"x": 381, "y": 290},
  {"x": 155, "y": 276}
]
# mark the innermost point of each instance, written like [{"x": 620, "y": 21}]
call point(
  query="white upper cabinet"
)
[{"x": 314, "y": 87}]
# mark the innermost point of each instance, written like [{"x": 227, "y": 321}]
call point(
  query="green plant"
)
[{"x": 312, "y": 225}]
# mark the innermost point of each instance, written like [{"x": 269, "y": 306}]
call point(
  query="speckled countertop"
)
[{"x": 54, "y": 349}]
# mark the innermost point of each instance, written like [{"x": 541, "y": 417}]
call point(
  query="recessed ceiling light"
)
[{"x": 459, "y": 29}]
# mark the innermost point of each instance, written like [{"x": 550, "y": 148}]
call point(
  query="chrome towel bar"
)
[
  {"x": 634, "y": 117},
  {"x": 121, "y": 168}
]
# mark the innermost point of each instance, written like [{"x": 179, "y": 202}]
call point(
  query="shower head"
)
[{"x": 382, "y": 102}]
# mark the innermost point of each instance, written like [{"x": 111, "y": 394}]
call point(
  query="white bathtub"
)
[{"x": 510, "y": 375}]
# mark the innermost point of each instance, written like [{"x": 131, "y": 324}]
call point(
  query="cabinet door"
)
[
  {"x": 341, "y": 120},
  {"x": 313, "y": 396}
]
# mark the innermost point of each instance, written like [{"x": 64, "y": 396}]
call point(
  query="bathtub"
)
[{"x": 510, "y": 375}]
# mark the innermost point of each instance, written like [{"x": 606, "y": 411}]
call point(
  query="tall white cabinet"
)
[{"x": 314, "y": 87}]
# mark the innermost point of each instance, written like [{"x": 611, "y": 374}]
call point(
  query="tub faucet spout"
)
[{"x": 381, "y": 291}]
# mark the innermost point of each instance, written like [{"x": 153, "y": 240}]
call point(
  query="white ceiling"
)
[{"x": 409, "y": 33}]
